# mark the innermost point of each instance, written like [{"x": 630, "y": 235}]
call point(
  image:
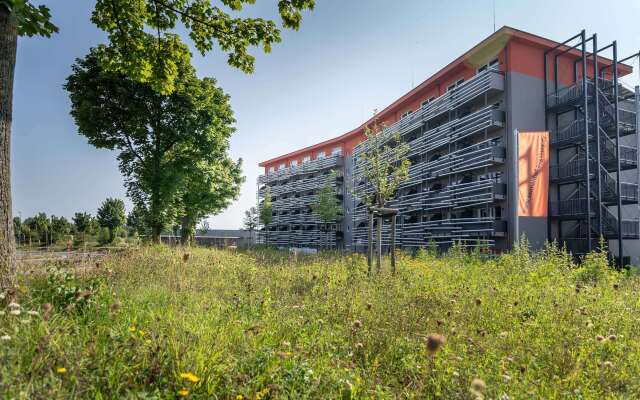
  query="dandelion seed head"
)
[
  {"x": 478, "y": 385},
  {"x": 434, "y": 342}
]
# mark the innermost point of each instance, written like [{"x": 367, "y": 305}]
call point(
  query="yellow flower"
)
[
  {"x": 141, "y": 332},
  {"x": 132, "y": 329},
  {"x": 183, "y": 392},
  {"x": 239, "y": 397},
  {"x": 190, "y": 377},
  {"x": 61, "y": 370},
  {"x": 148, "y": 341}
]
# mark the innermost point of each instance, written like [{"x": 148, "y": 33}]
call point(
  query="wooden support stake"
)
[
  {"x": 370, "y": 244},
  {"x": 379, "y": 246},
  {"x": 393, "y": 244}
]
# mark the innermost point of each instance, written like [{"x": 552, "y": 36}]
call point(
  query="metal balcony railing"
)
[
  {"x": 483, "y": 83},
  {"x": 304, "y": 168}
]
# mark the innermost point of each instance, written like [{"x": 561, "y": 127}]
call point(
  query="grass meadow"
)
[{"x": 165, "y": 323}]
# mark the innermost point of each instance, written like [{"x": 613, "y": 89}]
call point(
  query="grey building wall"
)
[{"x": 525, "y": 112}]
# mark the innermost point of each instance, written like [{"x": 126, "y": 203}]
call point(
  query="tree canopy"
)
[
  {"x": 156, "y": 58},
  {"x": 165, "y": 142},
  {"x": 111, "y": 215},
  {"x": 206, "y": 189},
  {"x": 384, "y": 166}
]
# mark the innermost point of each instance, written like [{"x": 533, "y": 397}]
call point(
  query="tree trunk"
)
[
  {"x": 156, "y": 230},
  {"x": 8, "y": 44},
  {"x": 186, "y": 231}
]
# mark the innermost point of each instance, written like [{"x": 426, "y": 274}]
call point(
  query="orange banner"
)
[{"x": 533, "y": 174}]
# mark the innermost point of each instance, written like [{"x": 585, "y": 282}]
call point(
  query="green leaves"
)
[
  {"x": 327, "y": 206},
  {"x": 150, "y": 57},
  {"x": 385, "y": 166},
  {"x": 32, "y": 20},
  {"x": 172, "y": 147}
]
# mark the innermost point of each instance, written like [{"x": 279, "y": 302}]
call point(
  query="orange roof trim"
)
[{"x": 493, "y": 43}]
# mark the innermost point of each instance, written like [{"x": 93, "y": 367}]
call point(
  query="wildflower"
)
[
  {"x": 13, "y": 305},
  {"x": 25, "y": 321},
  {"x": 33, "y": 313},
  {"x": 148, "y": 341},
  {"x": 185, "y": 257},
  {"x": 434, "y": 342},
  {"x": 599, "y": 338},
  {"x": 616, "y": 286},
  {"x": 504, "y": 334},
  {"x": 239, "y": 397},
  {"x": 141, "y": 332},
  {"x": 190, "y": 377},
  {"x": 61, "y": 370},
  {"x": 183, "y": 392},
  {"x": 357, "y": 324},
  {"x": 608, "y": 364},
  {"x": 612, "y": 338},
  {"x": 359, "y": 346},
  {"x": 132, "y": 329},
  {"x": 14, "y": 312},
  {"x": 5, "y": 338}
]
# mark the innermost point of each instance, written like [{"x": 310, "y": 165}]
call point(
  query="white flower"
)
[
  {"x": 14, "y": 312},
  {"x": 2, "y": 295},
  {"x": 33, "y": 313},
  {"x": 14, "y": 305},
  {"x": 25, "y": 321},
  {"x": 5, "y": 337}
]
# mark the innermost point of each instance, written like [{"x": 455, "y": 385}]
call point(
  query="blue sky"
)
[{"x": 348, "y": 58}]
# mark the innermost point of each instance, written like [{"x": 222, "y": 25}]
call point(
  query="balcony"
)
[
  {"x": 485, "y": 83},
  {"x": 304, "y": 168}
]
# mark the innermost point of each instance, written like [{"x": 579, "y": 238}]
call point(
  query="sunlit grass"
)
[{"x": 269, "y": 324}]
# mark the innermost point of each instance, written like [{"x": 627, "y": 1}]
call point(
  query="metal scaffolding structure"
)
[{"x": 587, "y": 119}]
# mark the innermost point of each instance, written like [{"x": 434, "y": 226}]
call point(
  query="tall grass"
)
[{"x": 151, "y": 324}]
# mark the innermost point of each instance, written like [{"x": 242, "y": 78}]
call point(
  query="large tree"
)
[
  {"x": 153, "y": 59},
  {"x": 207, "y": 187},
  {"x": 17, "y": 17},
  {"x": 164, "y": 141},
  {"x": 111, "y": 215}
]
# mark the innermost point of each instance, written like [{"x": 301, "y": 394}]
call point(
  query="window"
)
[
  {"x": 306, "y": 159},
  {"x": 455, "y": 84},
  {"x": 321, "y": 154},
  {"x": 427, "y": 101},
  {"x": 272, "y": 169},
  {"x": 336, "y": 151},
  {"x": 294, "y": 163},
  {"x": 282, "y": 166},
  {"x": 493, "y": 64},
  {"x": 406, "y": 114}
]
